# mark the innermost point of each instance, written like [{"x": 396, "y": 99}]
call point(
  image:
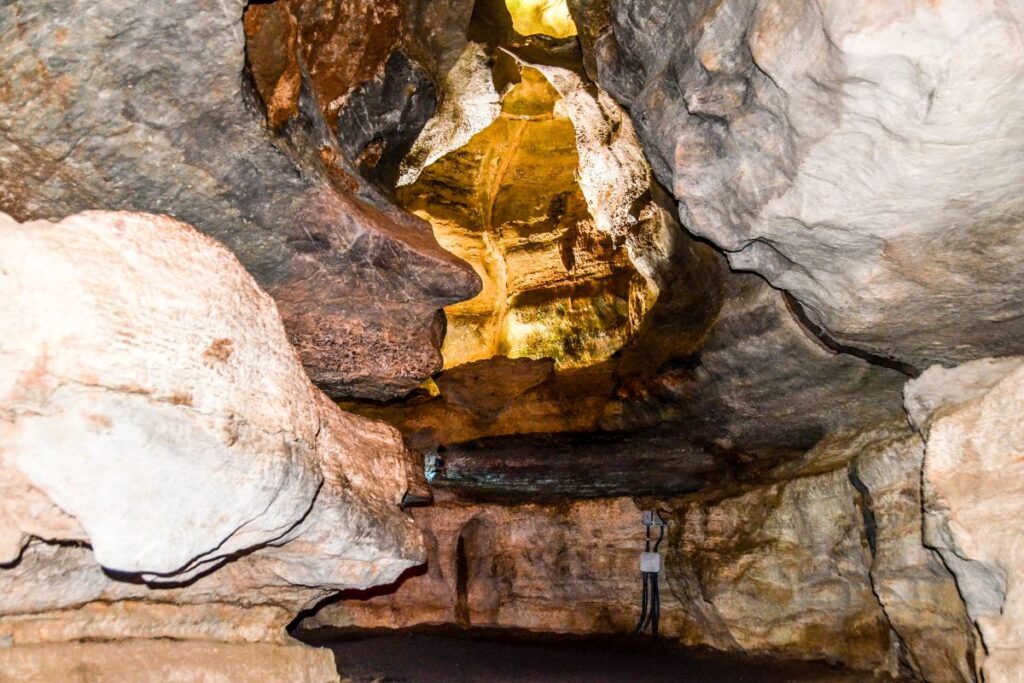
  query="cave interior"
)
[{"x": 525, "y": 340}]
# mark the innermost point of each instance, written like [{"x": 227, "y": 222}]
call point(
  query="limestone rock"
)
[
  {"x": 161, "y": 446},
  {"x": 816, "y": 558},
  {"x": 570, "y": 568},
  {"x": 697, "y": 420},
  {"x": 915, "y": 588},
  {"x": 833, "y": 146},
  {"x": 760, "y": 587},
  {"x": 972, "y": 418},
  {"x": 150, "y": 108},
  {"x": 469, "y": 103},
  {"x": 159, "y": 661}
]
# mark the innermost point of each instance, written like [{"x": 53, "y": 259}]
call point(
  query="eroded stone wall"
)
[
  {"x": 821, "y": 559},
  {"x": 167, "y": 468}
]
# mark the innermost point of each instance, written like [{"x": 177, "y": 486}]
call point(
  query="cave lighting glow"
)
[{"x": 550, "y": 17}]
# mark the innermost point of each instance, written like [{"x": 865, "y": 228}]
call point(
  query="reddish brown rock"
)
[
  {"x": 160, "y": 117},
  {"x": 344, "y": 43},
  {"x": 271, "y": 49}
]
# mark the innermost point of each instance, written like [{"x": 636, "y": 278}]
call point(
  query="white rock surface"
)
[
  {"x": 973, "y": 424},
  {"x": 469, "y": 104},
  {"x": 865, "y": 156},
  {"x": 155, "y": 422}
]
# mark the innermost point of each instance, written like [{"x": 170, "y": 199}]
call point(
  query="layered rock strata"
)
[
  {"x": 167, "y": 468},
  {"x": 821, "y": 558}
]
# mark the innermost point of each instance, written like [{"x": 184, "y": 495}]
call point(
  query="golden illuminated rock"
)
[
  {"x": 509, "y": 202},
  {"x": 550, "y": 17}
]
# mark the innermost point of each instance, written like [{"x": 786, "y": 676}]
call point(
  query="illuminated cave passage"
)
[
  {"x": 511, "y": 340},
  {"x": 508, "y": 202}
]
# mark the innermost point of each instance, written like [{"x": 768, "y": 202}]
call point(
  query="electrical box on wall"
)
[
  {"x": 650, "y": 562},
  {"x": 652, "y": 518}
]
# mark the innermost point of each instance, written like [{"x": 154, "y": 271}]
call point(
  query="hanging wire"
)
[{"x": 650, "y": 601}]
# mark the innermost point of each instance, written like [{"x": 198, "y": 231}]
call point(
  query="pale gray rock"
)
[
  {"x": 973, "y": 427},
  {"x": 863, "y": 156},
  {"x": 914, "y": 587}
]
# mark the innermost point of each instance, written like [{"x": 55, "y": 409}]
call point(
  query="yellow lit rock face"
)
[
  {"x": 550, "y": 17},
  {"x": 509, "y": 203}
]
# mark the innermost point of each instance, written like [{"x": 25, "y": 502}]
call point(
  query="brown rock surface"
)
[
  {"x": 821, "y": 558},
  {"x": 161, "y": 116},
  {"x": 160, "y": 661}
]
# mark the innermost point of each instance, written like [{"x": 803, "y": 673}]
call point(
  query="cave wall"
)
[
  {"x": 142, "y": 107},
  {"x": 972, "y": 419},
  {"x": 167, "y": 469},
  {"x": 862, "y": 156},
  {"x": 820, "y": 560}
]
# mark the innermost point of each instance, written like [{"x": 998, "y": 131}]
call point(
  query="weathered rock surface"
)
[
  {"x": 537, "y": 179},
  {"x": 863, "y": 156},
  {"x": 972, "y": 418},
  {"x": 915, "y": 588},
  {"x": 700, "y": 418},
  {"x": 539, "y": 219},
  {"x": 160, "y": 661},
  {"x": 820, "y": 558},
  {"x": 168, "y": 469},
  {"x": 145, "y": 107}
]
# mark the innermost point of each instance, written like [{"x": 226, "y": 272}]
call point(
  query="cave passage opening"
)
[{"x": 533, "y": 175}]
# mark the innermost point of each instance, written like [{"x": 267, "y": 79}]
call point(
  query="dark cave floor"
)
[{"x": 449, "y": 655}]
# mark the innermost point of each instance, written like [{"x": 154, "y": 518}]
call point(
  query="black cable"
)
[
  {"x": 643, "y": 606},
  {"x": 655, "y": 605},
  {"x": 648, "y": 586},
  {"x": 650, "y": 603}
]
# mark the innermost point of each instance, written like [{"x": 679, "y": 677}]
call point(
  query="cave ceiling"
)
[
  {"x": 522, "y": 165},
  {"x": 608, "y": 352}
]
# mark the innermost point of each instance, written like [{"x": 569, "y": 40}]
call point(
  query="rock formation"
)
[
  {"x": 862, "y": 156},
  {"x": 168, "y": 470},
  {"x": 972, "y": 418},
  {"x": 163, "y": 118},
  {"x": 559, "y": 262},
  {"x": 821, "y": 559}
]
